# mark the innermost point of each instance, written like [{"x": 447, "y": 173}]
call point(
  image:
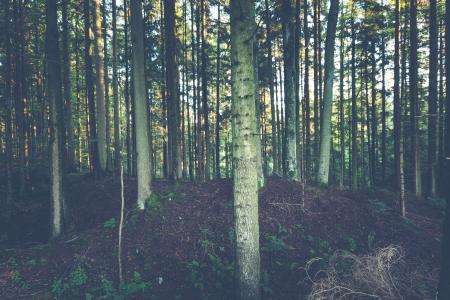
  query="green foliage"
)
[
  {"x": 111, "y": 223},
  {"x": 277, "y": 243},
  {"x": 265, "y": 281},
  {"x": 152, "y": 205},
  {"x": 71, "y": 285},
  {"x": 19, "y": 281}
]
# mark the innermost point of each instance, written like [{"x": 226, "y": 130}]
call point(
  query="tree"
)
[
  {"x": 115, "y": 84},
  {"x": 99, "y": 84},
  {"x": 173, "y": 101},
  {"x": 433, "y": 100},
  {"x": 325, "y": 126},
  {"x": 414, "y": 105},
  {"x": 444, "y": 280},
  {"x": 8, "y": 118},
  {"x": 290, "y": 144},
  {"x": 140, "y": 111},
  {"x": 55, "y": 100},
  {"x": 244, "y": 149}
]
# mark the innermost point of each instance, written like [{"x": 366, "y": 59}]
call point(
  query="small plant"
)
[
  {"x": 18, "y": 281},
  {"x": 152, "y": 205},
  {"x": 352, "y": 244},
  {"x": 110, "y": 224},
  {"x": 275, "y": 244}
]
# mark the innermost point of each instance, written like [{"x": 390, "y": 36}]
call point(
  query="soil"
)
[{"x": 183, "y": 247}]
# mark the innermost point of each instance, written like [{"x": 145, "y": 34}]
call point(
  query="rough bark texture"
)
[
  {"x": 245, "y": 149},
  {"x": 142, "y": 144},
  {"x": 115, "y": 84},
  {"x": 55, "y": 99},
  {"x": 325, "y": 127}
]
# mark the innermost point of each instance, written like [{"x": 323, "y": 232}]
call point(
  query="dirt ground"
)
[{"x": 182, "y": 247}]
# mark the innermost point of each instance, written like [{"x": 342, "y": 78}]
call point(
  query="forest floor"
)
[{"x": 182, "y": 246}]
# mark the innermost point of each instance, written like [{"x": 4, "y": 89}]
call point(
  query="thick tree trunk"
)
[
  {"x": 325, "y": 127},
  {"x": 140, "y": 110},
  {"x": 55, "y": 99},
  {"x": 245, "y": 149}
]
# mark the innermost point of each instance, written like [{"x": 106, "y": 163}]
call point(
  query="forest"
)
[{"x": 225, "y": 149}]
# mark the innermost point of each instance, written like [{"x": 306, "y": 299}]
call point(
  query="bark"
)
[
  {"x": 109, "y": 163},
  {"x": 173, "y": 102},
  {"x": 205, "y": 108},
  {"x": 99, "y": 84},
  {"x": 325, "y": 127},
  {"x": 218, "y": 94},
  {"x": 140, "y": 110},
  {"x": 70, "y": 162},
  {"x": 433, "y": 101},
  {"x": 9, "y": 99},
  {"x": 414, "y": 107},
  {"x": 307, "y": 147},
  {"x": 89, "y": 79},
  {"x": 290, "y": 144},
  {"x": 55, "y": 99},
  {"x": 245, "y": 149},
  {"x": 354, "y": 151},
  {"x": 115, "y": 84},
  {"x": 444, "y": 280}
]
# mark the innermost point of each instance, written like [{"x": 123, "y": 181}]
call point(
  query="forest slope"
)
[{"x": 182, "y": 246}]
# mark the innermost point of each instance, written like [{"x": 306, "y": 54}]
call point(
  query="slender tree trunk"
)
[
  {"x": 99, "y": 84},
  {"x": 245, "y": 149},
  {"x": 70, "y": 163},
  {"x": 444, "y": 280},
  {"x": 341, "y": 102},
  {"x": 433, "y": 130},
  {"x": 383, "y": 109},
  {"x": 398, "y": 123},
  {"x": 218, "y": 93},
  {"x": 413, "y": 82},
  {"x": 354, "y": 151},
  {"x": 205, "y": 108},
  {"x": 55, "y": 99},
  {"x": 109, "y": 164},
  {"x": 89, "y": 78},
  {"x": 142, "y": 144},
  {"x": 289, "y": 90},
  {"x": 9, "y": 107},
  {"x": 307, "y": 147},
  {"x": 325, "y": 127},
  {"x": 115, "y": 84}
]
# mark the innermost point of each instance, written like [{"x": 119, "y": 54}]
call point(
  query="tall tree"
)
[
  {"x": 245, "y": 148},
  {"x": 9, "y": 105},
  {"x": 55, "y": 100},
  {"x": 414, "y": 105},
  {"x": 115, "y": 84},
  {"x": 204, "y": 75},
  {"x": 140, "y": 111},
  {"x": 70, "y": 159},
  {"x": 218, "y": 94},
  {"x": 306, "y": 105},
  {"x": 433, "y": 129},
  {"x": 290, "y": 144},
  {"x": 173, "y": 102},
  {"x": 325, "y": 127},
  {"x": 99, "y": 84},
  {"x": 354, "y": 152},
  {"x": 444, "y": 280}
]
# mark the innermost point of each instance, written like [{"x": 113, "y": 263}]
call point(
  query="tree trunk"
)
[
  {"x": 218, "y": 94},
  {"x": 205, "y": 108},
  {"x": 433, "y": 101},
  {"x": 70, "y": 163},
  {"x": 109, "y": 165},
  {"x": 93, "y": 149},
  {"x": 354, "y": 184},
  {"x": 245, "y": 149},
  {"x": 289, "y": 90},
  {"x": 325, "y": 127},
  {"x": 414, "y": 107},
  {"x": 173, "y": 109},
  {"x": 115, "y": 83},
  {"x": 55, "y": 99},
  {"x": 99, "y": 84},
  {"x": 140, "y": 110},
  {"x": 444, "y": 280},
  {"x": 9, "y": 99}
]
